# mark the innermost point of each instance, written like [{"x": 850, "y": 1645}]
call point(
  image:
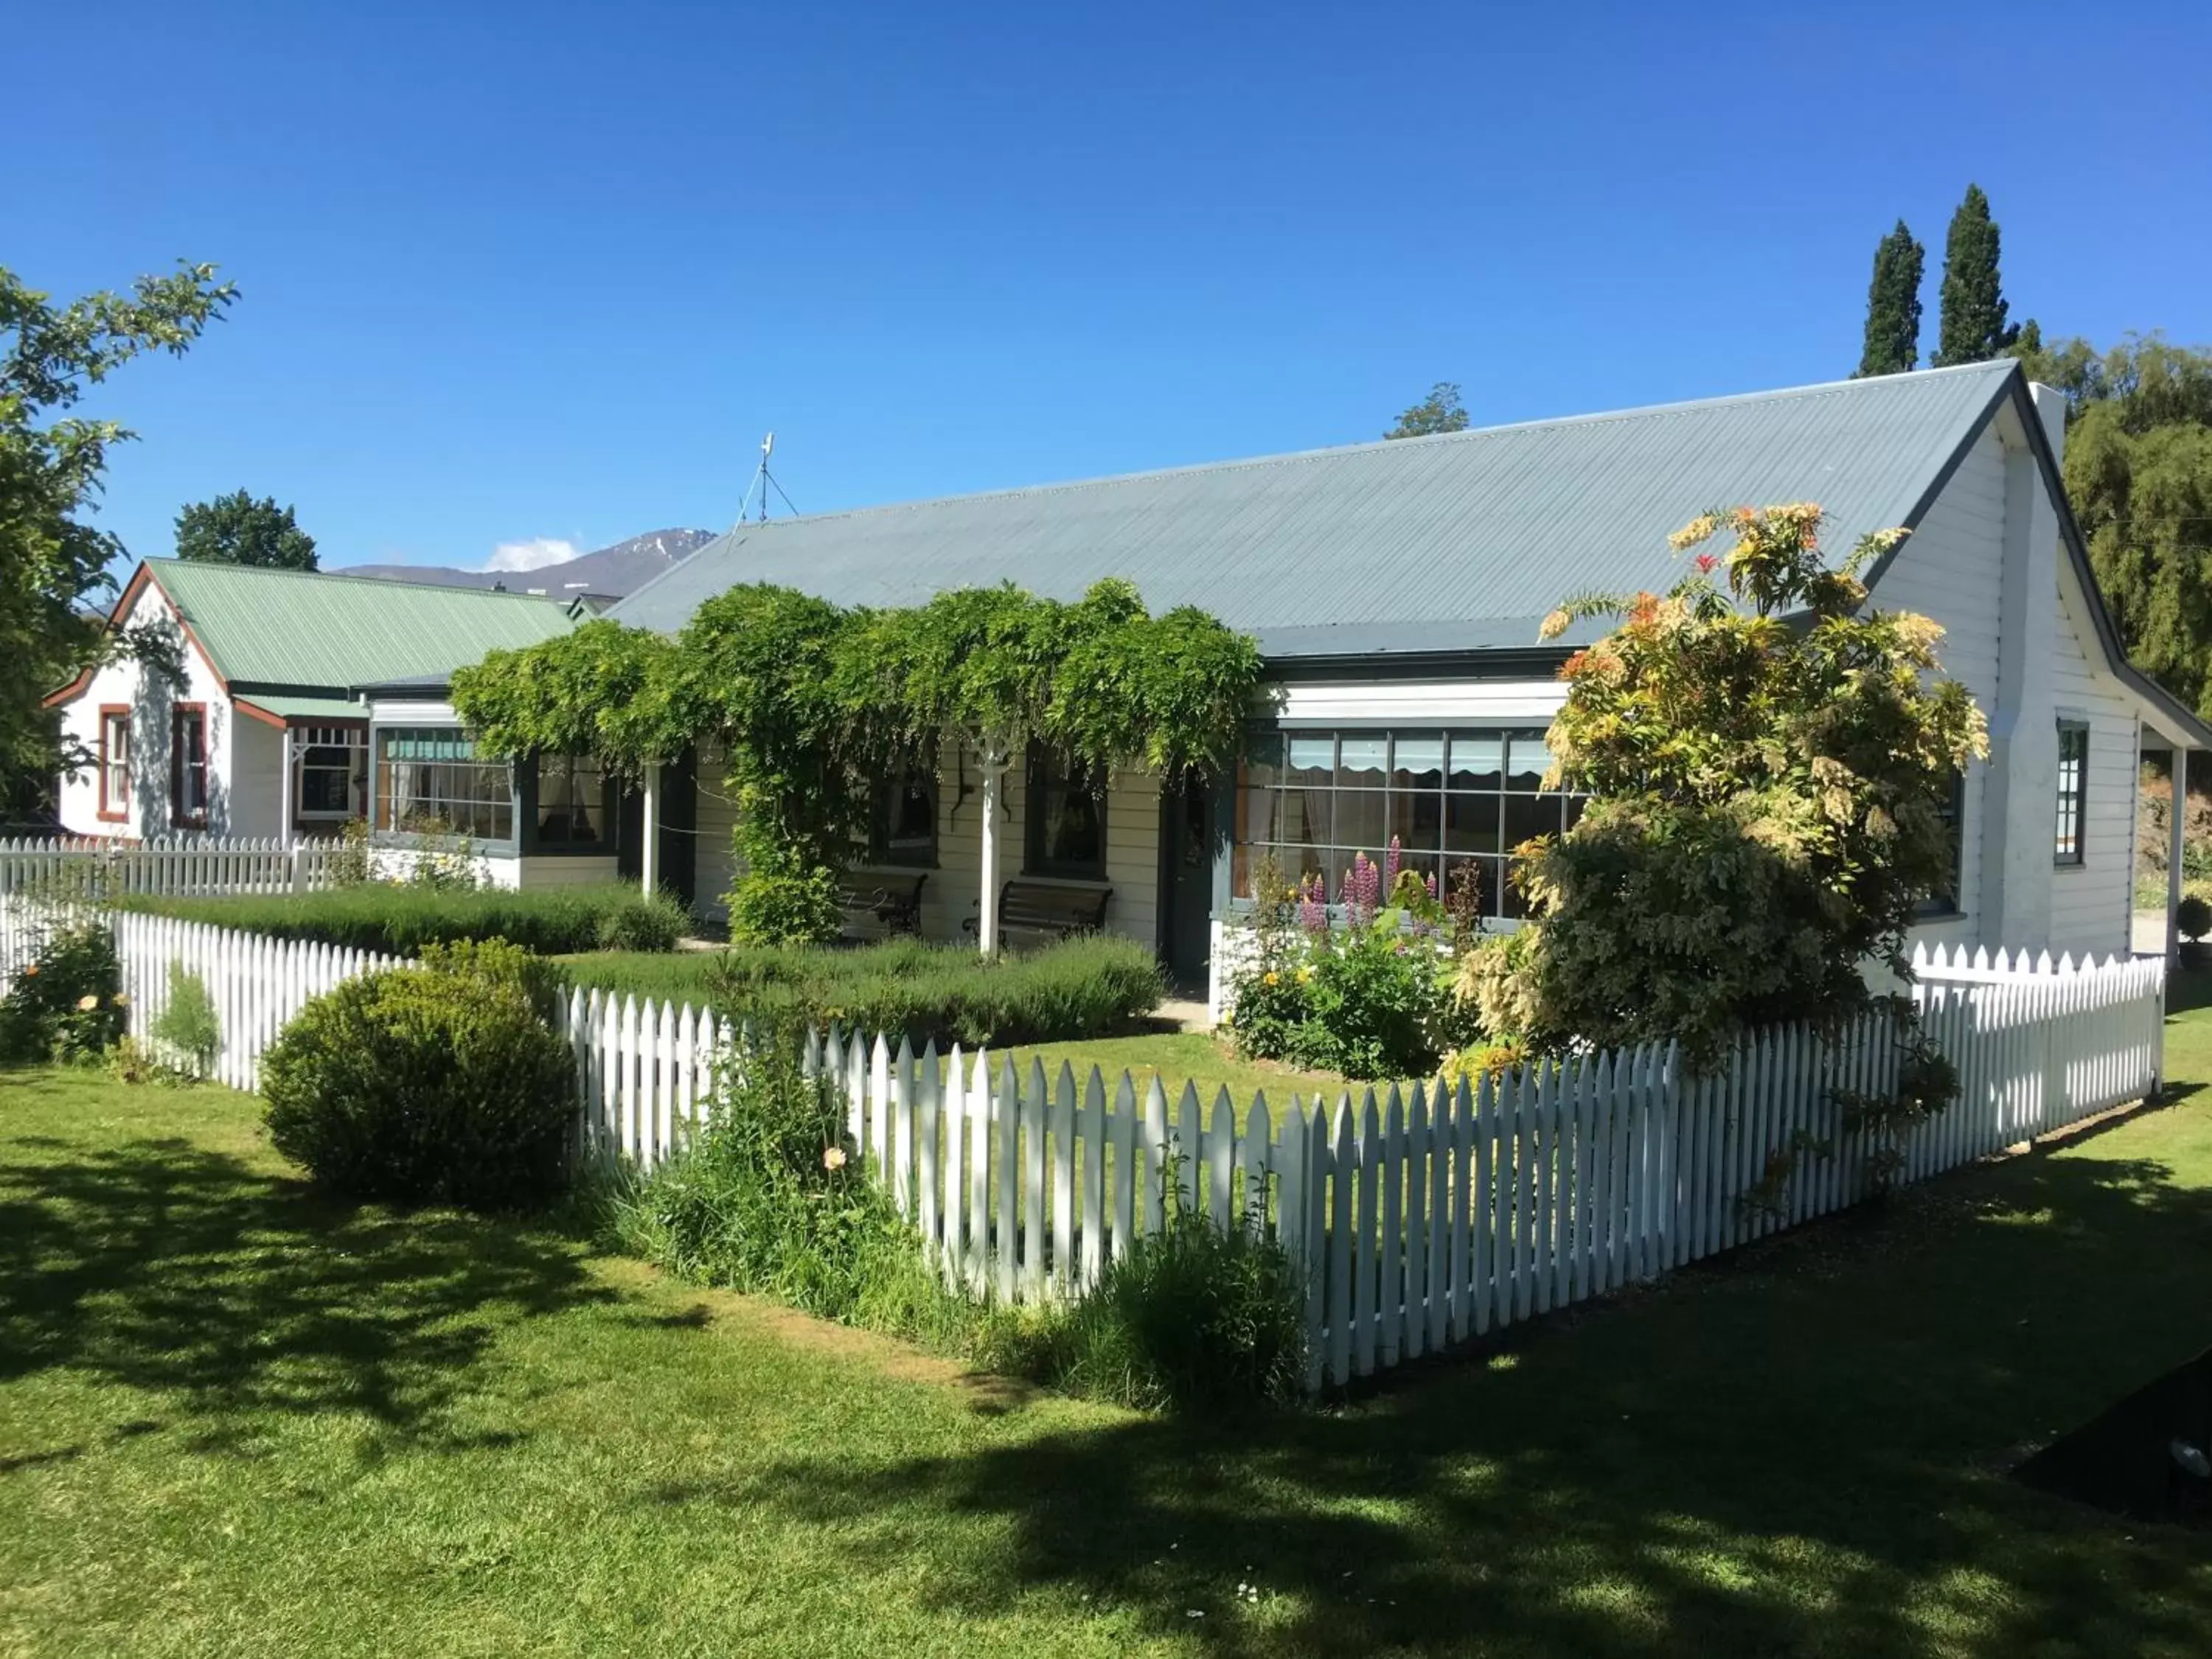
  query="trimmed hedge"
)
[
  {"x": 401, "y": 921},
  {"x": 1093, "y": 986}
]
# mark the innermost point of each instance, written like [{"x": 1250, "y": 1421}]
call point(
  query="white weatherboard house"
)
[
  {"x": 1396, "y": 588},
  {"x": 265, "y": 739}
]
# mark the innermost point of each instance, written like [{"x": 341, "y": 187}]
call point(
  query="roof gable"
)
[
  {"x": 309, "y": 630},
  {"x": 1460, "y": 541}
]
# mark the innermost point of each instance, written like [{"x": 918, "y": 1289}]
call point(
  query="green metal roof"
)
[
  {"x": 1454, "y": 541},
  {"x": 302, "y": 633},
  {"x": 306, "y": 711}
]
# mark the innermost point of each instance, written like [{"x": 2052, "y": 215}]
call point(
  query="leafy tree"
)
[
  {"x": 1440, "y": 411},
  {"x": 1893, "y": 320},
  {"x": 1771, "y": 766},
  {"x": 1972, "y": 328},
  {"x": 235, "y": 529},
  {"x": 2138, "y": 471},
  {"x": 52, "y": 564}
]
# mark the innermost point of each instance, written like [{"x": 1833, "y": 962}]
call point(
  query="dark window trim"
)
[
  {"x": 2078, "y": 856},
  {"x": 524, "y": 773},
  {"x": 179, "y": 818},
  {"x": 1943, "y": 906},
  {"x": 1034, "y": 862},
  {"x": 111, "y": 811},
  {"x": 411, "y": 840},
  {"x": 881, "y": 854}
]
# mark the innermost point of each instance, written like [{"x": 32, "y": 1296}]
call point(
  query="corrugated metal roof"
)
[
  {"x": 306, "y": 711},
  {"x": 306, "y": 631},
  {"x": 1470, "y": 536}
]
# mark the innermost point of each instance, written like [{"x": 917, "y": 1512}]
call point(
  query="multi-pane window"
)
[
  {"x": 1067, "y": 819},
  {"x": 571, "y": 800},
  {"x": 430, "y": 781},
  {"x": 904, "y": 831},
  {"x": 330, "y": 758},
  {"x": 188, "y": 766},
  {"x": 2073, "y": 789},
  {"x": 1944, "y": 901},
  {"x": 1313, "y": 799},
  {"x": 114, "y": 761}
]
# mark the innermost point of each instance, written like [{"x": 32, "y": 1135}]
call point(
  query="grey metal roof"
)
[{"x": 1459, "y": 541}]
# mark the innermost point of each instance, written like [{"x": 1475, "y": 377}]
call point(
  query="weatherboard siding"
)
[
  {"x": 2091, "y": 903},
  {"x": 1952, "y": 570}
]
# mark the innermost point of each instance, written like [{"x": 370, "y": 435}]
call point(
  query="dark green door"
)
[{"x": 1187, "y": 880}]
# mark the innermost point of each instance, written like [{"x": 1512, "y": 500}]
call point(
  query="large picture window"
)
[
  {"x": 332, "y": 766},
  {"x": 429, "y": 781},
  {"x": 572, "y": 801},
  {"x": 188, "y": 766},
  {"x": 115, "y": 762},
  {"x": 1314, "y": 800},
  {"x": 1066, "y": 820},
  {"x": 2073, "y": 789}
]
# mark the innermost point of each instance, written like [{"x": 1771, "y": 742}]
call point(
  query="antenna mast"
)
[{"x": 764, "y": 480}]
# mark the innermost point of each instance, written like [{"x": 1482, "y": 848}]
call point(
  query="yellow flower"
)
[
  {"x": 121, "y": 1000},
  {"x": 1305, "y": 973},
  {"x": 86, "y": 1005},
  {"x": 833, "y": 1157},
  {"x": 1272, "y": 978}
]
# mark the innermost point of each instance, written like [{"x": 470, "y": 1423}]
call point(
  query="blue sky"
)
[{"x": 545, "y": 273}]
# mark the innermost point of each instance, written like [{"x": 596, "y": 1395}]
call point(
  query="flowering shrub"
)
[
  {"x": 1370, "y": 998},
  {"x": 68, "y": 1004}
]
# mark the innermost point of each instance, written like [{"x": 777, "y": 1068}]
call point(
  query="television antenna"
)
[{"x": 764, "y": 480}]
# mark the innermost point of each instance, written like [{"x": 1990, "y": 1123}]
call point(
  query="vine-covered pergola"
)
[{"x": 811, "y": 701}]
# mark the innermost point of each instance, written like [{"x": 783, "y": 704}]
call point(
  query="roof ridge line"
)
[{"x": 172, "y": 563}]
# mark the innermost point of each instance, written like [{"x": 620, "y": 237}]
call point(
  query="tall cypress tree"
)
[
  {"x": 1893, "y": 320},
  {"x": 1974, "y": 324}
]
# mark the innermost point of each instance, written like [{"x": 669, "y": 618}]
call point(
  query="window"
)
[
  {"x": 1314, "y": 800},
  {"x": 330, "y": 761},
  {"x": 2072, "y": 775},
  {"x": 429, "y": 782},
  {"x": 188, "y": 766},
  {"x": 902, "y": 831},
  {"x": 1944, "y": 901},
  {"x": 572, "y": 801},
  {"x": 1067, "y": 819},
  {"x": 115, "y": 762}
]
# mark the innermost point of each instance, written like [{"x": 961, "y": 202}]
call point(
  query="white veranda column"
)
[
  {"x": 648, "y": 833},
  {"x": 986, "y": 921},
  {"x": 2173, "y": 839}
]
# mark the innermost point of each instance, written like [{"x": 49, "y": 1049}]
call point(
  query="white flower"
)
[
  {"x": 833, "y": 1157},
  {"x": 86, "y": 1005}
]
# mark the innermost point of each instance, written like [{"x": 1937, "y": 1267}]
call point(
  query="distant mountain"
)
[{"x": 617, "y": 570}]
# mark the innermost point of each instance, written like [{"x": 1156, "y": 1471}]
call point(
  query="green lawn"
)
[{"x": 235, "y": 1420}]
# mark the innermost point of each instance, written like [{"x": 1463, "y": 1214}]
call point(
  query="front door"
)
[{"x": 1186, "y": 888}]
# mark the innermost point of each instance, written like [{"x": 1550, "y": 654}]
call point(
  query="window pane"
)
[
  {"x": 1360, "y": 763},
  {"x": 1256, "y": 814},
  {"x": 1530, "y": 815},
  {"x": 1417, "y": 763},
  {"x": 1417, "y": 821},
  {"x": 1359, "y": 820},
  {"x": 571, "y": 800},
  {"x": 1477, "y": 760},
  {"x": 1303, "y": 815},
  {"x": 1471, "y": 824},
  {"x": 1263, "y": 760},
  {"x": 1529, "y": 760},
  {"x": 1312, "y": 760}
]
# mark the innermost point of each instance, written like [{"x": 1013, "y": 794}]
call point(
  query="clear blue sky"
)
[{"x": 548, "y": 271}]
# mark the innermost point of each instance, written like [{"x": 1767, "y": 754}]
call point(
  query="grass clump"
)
[
  {"x": 441, "y": 1083},
  {"x": 400, "y": 920},
  {"x": 188, "y": 1026}
]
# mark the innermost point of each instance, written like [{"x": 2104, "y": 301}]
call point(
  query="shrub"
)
[
  {"x": 773, "y": 1199},
  {"x": 1088, "y": 986},
  {"x": 1193, "y": 1317},
  {"x": 401, "y": 921},
  {"x": 796, "y": 906},
  {"x": 2193, "y": 916},
  {"x": 441, "y": 1083},
  {"x": 188, "y": 1025},
  {"x": 67, "y": 1003},
  {"x": 653, "y": 924}
]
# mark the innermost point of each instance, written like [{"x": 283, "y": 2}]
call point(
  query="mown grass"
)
[{"x": 235, "y": 1420}]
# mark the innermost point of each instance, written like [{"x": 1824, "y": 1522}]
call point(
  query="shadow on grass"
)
[
  {"x": 163, "y": 1265},
  {"x": 1798, "y": 1451}
]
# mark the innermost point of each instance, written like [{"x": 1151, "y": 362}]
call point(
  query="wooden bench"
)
[
  {"x": 892, "y": 900},
  {"x": 1059, "y": 909}
]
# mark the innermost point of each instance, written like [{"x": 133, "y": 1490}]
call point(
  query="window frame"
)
[
  {"x": 2075, "y": 857},
  {"x": 1037, "y": 789},
  {"x": 181, "y": 714},
  {"x": 1944, "y": 907},
  {"x": 379, "y": 795},
  {"x": 353, "y": 741},
  {"x": 527, "y": 779},
  {"x": 881, "y": 851},
  {"x": 114, "y": 807}
]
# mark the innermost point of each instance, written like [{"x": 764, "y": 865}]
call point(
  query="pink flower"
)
[{"x": 1706, "y": 562}]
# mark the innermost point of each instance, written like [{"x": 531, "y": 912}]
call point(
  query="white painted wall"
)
[{"x": 151, "y": 700}]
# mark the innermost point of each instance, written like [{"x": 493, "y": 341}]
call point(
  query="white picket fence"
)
[
  {"x": 195, "y": 866},
  {"x": 1424, "y": 1214}
]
